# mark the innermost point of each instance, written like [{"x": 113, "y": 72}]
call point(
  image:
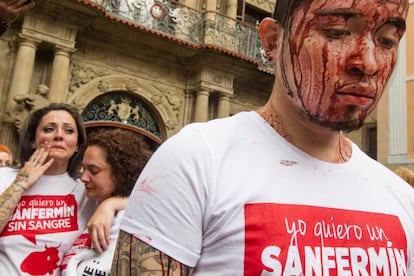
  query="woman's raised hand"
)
[{"x": 34, "y": 168}]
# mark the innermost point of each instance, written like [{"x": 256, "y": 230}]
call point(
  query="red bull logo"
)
[{"x": 42, "y": 262}]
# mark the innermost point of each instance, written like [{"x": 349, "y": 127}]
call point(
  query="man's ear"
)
[{"x": 268, "y": 31}]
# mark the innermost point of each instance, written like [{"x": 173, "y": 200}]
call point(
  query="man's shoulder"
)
[{"x": 228, "y": 124}]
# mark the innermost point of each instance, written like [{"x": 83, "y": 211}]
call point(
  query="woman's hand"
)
[
  {"x": 34, "y": 168},
  {"x": 100, "y": 223}
]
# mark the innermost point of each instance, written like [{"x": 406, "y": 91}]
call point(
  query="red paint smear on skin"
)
[{"x": 288, "y": 163}]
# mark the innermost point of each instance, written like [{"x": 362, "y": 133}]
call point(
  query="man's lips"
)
[
  {"x": 357, "y": 90},
  {"x": 357, "y": 94}
]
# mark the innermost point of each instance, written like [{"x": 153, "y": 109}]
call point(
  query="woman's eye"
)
[
  {"x": 69, "y": 130},
  {"x": 335, "y": 33},
  {"x": 94, "y": 172},
  {"x": 48, "y": 129}
]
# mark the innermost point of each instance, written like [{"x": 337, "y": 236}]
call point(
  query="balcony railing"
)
[{"x": 192, "y": 26}]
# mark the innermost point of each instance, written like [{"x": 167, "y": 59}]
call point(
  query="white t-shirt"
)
[
  {"x": 232, "y": 197},
  {"x": 44, "y": 224},
  {"x": 82, "y": 258}
]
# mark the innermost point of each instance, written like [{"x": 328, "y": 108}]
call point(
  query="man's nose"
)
[{"x": 363, "y": 60}]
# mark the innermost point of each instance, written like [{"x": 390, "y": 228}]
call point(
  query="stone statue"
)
[{"x": 27, "y": 103}]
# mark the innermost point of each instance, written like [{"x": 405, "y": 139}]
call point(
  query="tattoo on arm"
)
[
  {"x": 134, "y": 257},
  {"x": 10, "y": 197}
]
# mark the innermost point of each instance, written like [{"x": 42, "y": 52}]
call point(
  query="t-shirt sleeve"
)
[
  {"x": 7, "y": 175},
  {"x": 167, "y": 205}
]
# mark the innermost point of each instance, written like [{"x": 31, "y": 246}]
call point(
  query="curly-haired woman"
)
[{"x": 113, "y": 160}]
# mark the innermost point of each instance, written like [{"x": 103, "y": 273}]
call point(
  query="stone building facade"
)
[{"x": 152, "y": 66}]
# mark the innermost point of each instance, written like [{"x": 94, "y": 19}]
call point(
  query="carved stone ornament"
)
[
  {"x": 28, "y": 103},
  {"x": 81, "y": 75}
]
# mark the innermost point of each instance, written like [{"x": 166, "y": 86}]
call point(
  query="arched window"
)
[{"x": 123, "y": 110}]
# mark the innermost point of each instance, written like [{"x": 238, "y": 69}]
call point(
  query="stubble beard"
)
[{"x": 354, "y": 123}]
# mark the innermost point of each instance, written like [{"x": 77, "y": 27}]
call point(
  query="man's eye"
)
[
  {"x": 386, "y": 42},
  {"x": 335, "y": 33}
]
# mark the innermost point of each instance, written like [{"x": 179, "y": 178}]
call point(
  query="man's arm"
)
[{"x": 134, "y": 257}]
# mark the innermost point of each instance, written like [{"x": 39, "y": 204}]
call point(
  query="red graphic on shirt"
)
[
  {"x": 283, "y": 239},
  {"x": 82, "y": 242},
  {"x": 36, "y": 215},
  {"x": 41, "y": 263}
]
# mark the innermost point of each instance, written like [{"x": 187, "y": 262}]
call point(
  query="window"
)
[{"x": 371, "y": 141}]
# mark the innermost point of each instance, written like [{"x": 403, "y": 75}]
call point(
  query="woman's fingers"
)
[{"x": 99, "y": 239}]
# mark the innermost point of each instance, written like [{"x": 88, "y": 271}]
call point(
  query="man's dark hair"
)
[{"x": 284, "y": 10}]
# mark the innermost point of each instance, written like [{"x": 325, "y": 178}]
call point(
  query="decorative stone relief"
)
[
  {"x": 124, "y": 110},
  {"x": 27, "y": 103},
  {"x": 103, "y": 86},
  {"x": 174, "y": 101},
  {"x": 81, "y": 75}
]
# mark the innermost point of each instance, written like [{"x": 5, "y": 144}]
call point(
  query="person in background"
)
[
  {"x": 43, "y": 208},
  {"x": 10, "y": 10},
  {"x": 113, "y": 160},
  {"x": 281, "y": 190},
  {"x": 6, "y": 156}
]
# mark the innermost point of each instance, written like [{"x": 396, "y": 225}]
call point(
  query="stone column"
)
[
  {"x": 22, "y": 72},
  {"x": 201, "y": 106},
  {"x": 59, "y": 78},
  {"x": 398, "y": 110},
  {"x": 211, "y": 5},
  {"x": 231, "y": 9},
  {"x": 210, "y": 22},
  {"x": 223, "y": 109},
  {"x": 189, "y": 3}
]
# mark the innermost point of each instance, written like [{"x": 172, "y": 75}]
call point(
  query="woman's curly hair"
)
[{"x": 126, "y": 153}]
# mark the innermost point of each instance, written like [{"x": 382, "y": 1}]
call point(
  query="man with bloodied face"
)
[{"x": 281, "y": 190}]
